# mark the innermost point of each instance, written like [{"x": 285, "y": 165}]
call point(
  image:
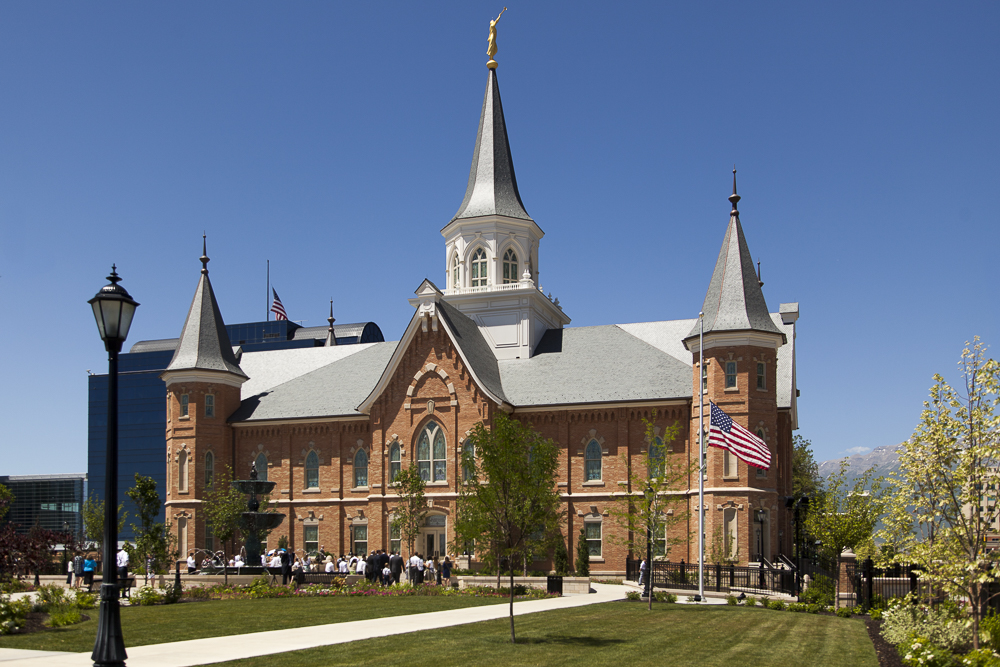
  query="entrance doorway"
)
[{"x": 433, "y": 542}]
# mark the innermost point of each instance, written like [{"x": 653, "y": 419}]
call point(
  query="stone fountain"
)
[{"x": 255, "y": 522}]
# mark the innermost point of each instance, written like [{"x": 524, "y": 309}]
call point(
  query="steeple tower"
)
[{"x": 491, "y": 244}]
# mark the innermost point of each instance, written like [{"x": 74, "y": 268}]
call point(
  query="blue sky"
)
[{"x": 334, "y": 139}]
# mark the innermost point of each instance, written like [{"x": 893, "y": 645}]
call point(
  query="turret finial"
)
[
  {"x": 734, "y": 198},
  {"x": 204, "y": 255},
  {"x": 331, "y": 338},
  {"x": 760, "y": 283}
]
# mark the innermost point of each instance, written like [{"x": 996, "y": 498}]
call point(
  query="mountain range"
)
[{"x": 884, "y": 459}]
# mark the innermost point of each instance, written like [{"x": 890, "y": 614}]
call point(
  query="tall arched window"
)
[
  {"x": 593, "y": 461},
  {"x": 209, "y": 469},
  {"x": 261, "y": 464},
  {"x": 657, "y": 457},
  {"x": 182, "y": 471},
  {"x": 312, "y": 470},
  {"x": 468, "y": 458},
  {"x": 761, "y": 472},
  {"x": 510, "y": 267},
  {"x": 431, "y": 454},
  {"x": 361, "y": 468},
  {"x": 479, "y": 268},
  {"x": 395, "y": 461},
  {"x": 456, "y": 277}
]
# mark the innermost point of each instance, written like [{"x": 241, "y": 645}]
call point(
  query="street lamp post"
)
[{"x": 113, "y": 311}]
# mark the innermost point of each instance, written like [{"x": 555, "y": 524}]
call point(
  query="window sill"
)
[
  {"x": 730, "y": 478},
  {"x": 596, "y": 559},
  {"x": 359, "y": 489},
  {"x": 184, "y": 418},
  {"x": 310, "y": 490},
  {"x": 444, "y": 483},
  {"x": 594, "y": 482},
  {"x": 732, "y": 390},
  {"x": 762, "y": 390}
]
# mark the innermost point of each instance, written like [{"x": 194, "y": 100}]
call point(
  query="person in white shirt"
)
[
  {"x": 361, "y": 567},
  {"x": 330, "y": 566},
  {"x": 239, "y": 561},
  {"x": 275, "y": 561},
  {"x": 412, "y": 574},
  {"x": 386, "y": 575},
  {"x": 122, "y": 569},
  {"x": 192, "y": 565},
  {"x": 343, "y": 565}
]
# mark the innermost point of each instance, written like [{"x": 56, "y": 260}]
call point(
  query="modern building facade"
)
[
  {"x": 142, "y": 415},
  {"x": 332, "y": 426},
  {"x": 52, "y": 502}
]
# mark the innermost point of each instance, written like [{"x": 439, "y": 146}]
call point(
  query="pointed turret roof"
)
[
  {"x": 734, "y": 301},
  {"x": 204, "y": 344},
  {"x": 492, "y": 188}
]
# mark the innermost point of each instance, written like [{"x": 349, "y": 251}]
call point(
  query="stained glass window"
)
[
  {"x": 361, "y": 468},
  {"x": 593, "y": 461},
  {"x": 431, "y": 454},
  {"x": 312, "y": 471}
]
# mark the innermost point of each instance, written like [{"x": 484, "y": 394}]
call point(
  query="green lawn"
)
[
  {"x": 616, "y": 634},
  {"x": 196, "y": 620}
]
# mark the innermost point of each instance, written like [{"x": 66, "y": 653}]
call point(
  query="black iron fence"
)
[
  {"x": 872, "y": 587},
  {"x": 720, "y": 578}
]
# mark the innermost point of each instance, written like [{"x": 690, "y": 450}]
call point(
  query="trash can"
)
[{"x": 554, "y": 584}]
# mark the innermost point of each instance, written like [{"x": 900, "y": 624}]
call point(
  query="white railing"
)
[{"x": 491, "y": 288}]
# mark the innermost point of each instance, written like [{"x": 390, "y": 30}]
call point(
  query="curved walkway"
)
[{"x": 234, "y": 647}]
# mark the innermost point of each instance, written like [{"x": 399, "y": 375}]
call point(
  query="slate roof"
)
[
  {"x": 475, "y": 348},
  {"x": 492, "y": 188},
  {"x": 333, "y": 390},
  {"x": 269, "y": 368},
  {"x": 734, "y": 301},
  {"x": 204, "y": 343}
]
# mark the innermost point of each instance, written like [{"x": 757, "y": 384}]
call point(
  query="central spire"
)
[{"x": 492, "y": 188}]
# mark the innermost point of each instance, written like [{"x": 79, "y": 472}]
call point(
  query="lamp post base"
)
[{"x": 109, "y": 647}]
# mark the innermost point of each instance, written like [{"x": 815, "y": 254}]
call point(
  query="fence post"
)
[
  {"x": 869, "y": 583},
  {"x": 913, "y": 581},
  {"x": 732, "y": 576},
  {"x": 718, "y": 577},
  {"x": 683, "y": 574}
]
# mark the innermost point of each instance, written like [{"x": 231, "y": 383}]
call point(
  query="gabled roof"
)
[
  {"x": 204, "y": 343},
  {"x": 492, "y": 188},
  {"x": 734, "y": 301}
]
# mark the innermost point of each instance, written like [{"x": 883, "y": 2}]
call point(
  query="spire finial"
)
[
  {"x": 734, "y": 198},
  {"x": 331, "y": 338},
  {"x": 491, "y": 49},
  {"x": 760, "y": 283},
  {"x": 204, "y": 255},
  {"x": 114, "y": 278}
]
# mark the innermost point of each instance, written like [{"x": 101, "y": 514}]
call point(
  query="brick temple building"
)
[{"x": 332, "y": 424}]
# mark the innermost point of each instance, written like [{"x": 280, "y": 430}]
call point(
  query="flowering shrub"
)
[
  {"x": 984, "y": 657},
  {"x": 634, "y": 596},
  {"x": 918, "y": 652},
  {"x": 49, "y": 596},
  {"x": 12, "y": 614},
  {"x": 14, "y": 585},
  {"x": 663, "y": 596},
  {"x": 989, "y": 629},
  {"x": 946, "y": 626},
  {"x": 146, "y": 595},
  {"x": 85, "y": 600}
]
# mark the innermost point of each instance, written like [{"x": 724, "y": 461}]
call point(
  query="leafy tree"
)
[
  {"x": 944, "y": 495},
  {"x": 646, "y": 508},
  {"x": 223, "y": 507},
  {"x": 510, "y": 498},
  {"x": 843, "y": 517},
  {"x": 6, "y": 500},
  {"x": 412, "y": 507},
  {"x": 561, "y": 557},
  {"x": 93, "y": 521},
  {"x": 153, "y": 540},
  {"x": 806, "y": 480},
  {"x": 582, "y": 554}
]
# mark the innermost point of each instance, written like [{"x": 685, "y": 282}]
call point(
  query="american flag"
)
[
  {"x": 725, "y": 433},
  {"x": 277, "y": 308}
]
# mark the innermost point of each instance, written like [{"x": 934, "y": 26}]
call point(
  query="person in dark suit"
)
[
  {"x": 372, "y": 570},
  {"x": 286, "y": 567},
  {"x": 396, "y": 566},
  {"x": 383, "y": 559}
]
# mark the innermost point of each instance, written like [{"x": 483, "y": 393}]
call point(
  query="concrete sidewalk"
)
[{"x": 234, "y": 647}]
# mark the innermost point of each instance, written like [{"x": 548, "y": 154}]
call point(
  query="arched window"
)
[
  {"x": 312, "y": 470},
  {"x": 510, "y": 267},
  {"x": 184, "y": 405},
  {"x": 209, "y": 469},
  {"x": 468, "y": 460},
  {"x": 395, "y": 462},
  {"x": 479, "y": 268},
  {"x": 431, "y": 454},
  {"x": 209, "y": 405},
  {"x": 182, "y": 471},
  {"x": 456, "y": 276},
  {"x": 361, "y": 468},
  {"x": 593, "y": 461},
  {"x": 657, "y": 457},
  {"x": 761, "y": 472},
  {"x": 261, "y": 463}
]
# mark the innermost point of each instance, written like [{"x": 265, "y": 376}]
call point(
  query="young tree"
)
[
  {"x": 806, "y": 480},
  {"x": 223, "y": 507},
  {"x": 93, "y": 522},
  {"x": 561, "y": 557},
  {"x": 582, "y": 568},
  {"x": 412, "y": 507},
  {"x": 153, "y": 540},
  {"x": 510, "y": 498},
  {"x": 844, "y": 518},
  {"x": 649, "y": 496},
  {"x": 943, "y": 501}
]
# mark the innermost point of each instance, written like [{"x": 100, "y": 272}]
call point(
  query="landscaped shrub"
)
[
  {"x": 85, "y": 600},
  {"x": 13, "y": 613},
  {"x": 750, "y": 601},
  {"x": 732, "y": 600},
  {"x": 663, "y": 596},
  {"x": 814, "y": 608},
  {"x": 945, "y": 626},
  {"x": 171, "y": 594},
  {"x": 776, "y": 605},
  {"x": 918, "y": 652},
  {"x": 561, "y": 558},
  {"x": 984, "y": 657},
  {"x": 146, "y": 596},
  {"x": 62, "y": 614},
  {"x": 633, "y": 595},
  {"x": 990, "y": 628},
  {"x": 820, "y": 591},
  {"x": 876, "y": 614},
  {"x": 13, "y": 585},
  {"x": 197, "y": 593},
  {"x": 844, "y": 612},
  {"x": 797, "y": 606},
  {"x": 582, "y": 555},
  {"x": 50, "y": 595}
]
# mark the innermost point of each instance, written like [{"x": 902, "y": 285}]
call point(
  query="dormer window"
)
[
  {"x": 510, "y": 267},
  {"x": 479, "y": 268}
]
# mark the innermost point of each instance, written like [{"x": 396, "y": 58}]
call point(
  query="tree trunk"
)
[
  {"x": 225, "y": 568},
  {"x": 512, "y": 639},
  {"x": 836, "y": 584}
]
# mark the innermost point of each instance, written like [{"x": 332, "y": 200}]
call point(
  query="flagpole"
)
[
  {"x": 267, "y": 295},
  {"x": 701, "y": 457}
]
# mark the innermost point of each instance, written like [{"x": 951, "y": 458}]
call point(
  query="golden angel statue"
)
[{"x": 491, "y": 50}]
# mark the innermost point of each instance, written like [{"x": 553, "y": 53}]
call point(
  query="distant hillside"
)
[{"x": 885, "y": 460}]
